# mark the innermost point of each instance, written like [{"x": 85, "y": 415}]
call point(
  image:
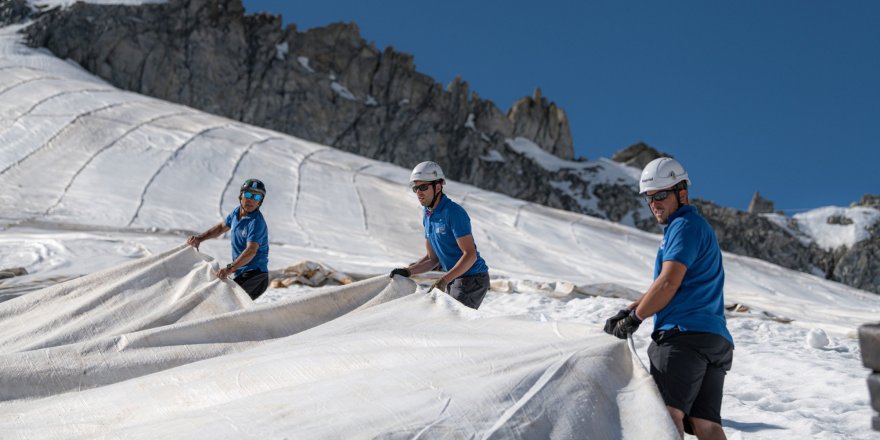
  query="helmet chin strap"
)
[{"x": 437, "y": 195}]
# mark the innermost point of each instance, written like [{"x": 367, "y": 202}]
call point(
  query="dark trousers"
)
[
  {"x": 469, "y": 290},
  {"x": 254, "y": 282}
]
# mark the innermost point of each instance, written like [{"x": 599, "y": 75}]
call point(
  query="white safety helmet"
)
[
  {"x": 426, "y": 171},
  {"x": 662, "y": 173}
]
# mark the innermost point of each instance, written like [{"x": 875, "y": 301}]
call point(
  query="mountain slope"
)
[{"x": 79, "y": 152}]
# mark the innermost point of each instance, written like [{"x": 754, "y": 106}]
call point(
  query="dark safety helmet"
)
[{"x": 253, "y": 185}]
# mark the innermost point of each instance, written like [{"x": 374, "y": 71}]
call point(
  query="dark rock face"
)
[
  {"x": 543, "y": 122},
  {"x": 859, "y": 266},
  {"x": 326, "y": 85},
  {"x": 839, "y": 220},
  {"x": 870, "y": 201},
  {"x": 755, "y": 236},
  {"x": 13, "y": 11}
]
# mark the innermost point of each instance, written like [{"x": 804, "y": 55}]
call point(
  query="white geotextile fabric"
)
[{"x": 159, "y": 348}]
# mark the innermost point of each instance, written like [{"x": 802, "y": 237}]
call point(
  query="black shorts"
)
[
  {"x": 689, "y": 369},
  {"x": 254, "y": 282},
  {"x": 469, "y": 290}
]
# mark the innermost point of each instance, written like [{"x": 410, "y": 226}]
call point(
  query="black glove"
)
[
  {"x": 627, "y": 326},
  {"x": 402, "y": 271},
  {"x": 612, "y": 321}
]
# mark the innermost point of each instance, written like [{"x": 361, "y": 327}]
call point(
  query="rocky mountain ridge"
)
[{"x": 331, "y": 86}]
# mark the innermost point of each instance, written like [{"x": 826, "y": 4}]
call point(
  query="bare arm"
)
[
  {"x": 426, "y": 263},
  {"x": 213, "y": 232},
  {"x": 468, "y": 257},
  {"x": 661, "y": 290},
  {"x": 244, "y": 258}
]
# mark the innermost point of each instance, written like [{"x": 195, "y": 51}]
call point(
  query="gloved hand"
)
[
  {"x": 627, "y": 326},
  {"x": 402, "y": 271},
  {"x": 612, "y": 321},
  {"x": 440, "y": 285}
]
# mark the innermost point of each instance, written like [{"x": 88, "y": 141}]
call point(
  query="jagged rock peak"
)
[
  {"x": 637, "y": 155},
  {"x": 760, "y": 205},
  {"x": 869, "y": 201},
  {"x": 538, "y": 119}
]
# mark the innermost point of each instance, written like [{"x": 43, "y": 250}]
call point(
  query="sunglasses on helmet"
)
[{"x": 250, "y": 195}]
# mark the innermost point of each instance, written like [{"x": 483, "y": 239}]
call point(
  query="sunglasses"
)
[
  {"x": 658, "y": 196},
  {"x": 422, "y": 187},
  {"x": 255, "y": 196}
]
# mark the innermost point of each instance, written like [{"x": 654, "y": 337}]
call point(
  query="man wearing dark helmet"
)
[{"x": 249, "y": 237}]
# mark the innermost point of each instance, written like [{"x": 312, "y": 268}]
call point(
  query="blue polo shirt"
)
[
  {"x": 250, "y": 228},
  {"x": 698, "y": 305},
  {"x": 443, "y": 226}
]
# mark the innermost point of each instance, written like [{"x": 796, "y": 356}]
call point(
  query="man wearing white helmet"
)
[
  {"x": 692, "y": 350},
  {"x": 448, "y": 240}
]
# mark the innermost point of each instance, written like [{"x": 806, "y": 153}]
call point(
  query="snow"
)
[
  {"x": 816, "y": 338},
  {"x": 67, "y": 3},
  {"x": 304, "y": 62},
  {"x": 92, "y": 177},
  {"x": 815, "y": 224},
  {"x": 492, "y": 156},
  {"x": 829, "y": 227},
  {"x": 587, "y": 174},
  {"x": 281, "y": 51},
  {"x": 546, "y": 160},
  {"x": 470, "y": 123},
  {"x": 342, "y": 91}
]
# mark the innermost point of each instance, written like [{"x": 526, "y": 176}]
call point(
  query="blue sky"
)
[{"x": 781, "y": 97}]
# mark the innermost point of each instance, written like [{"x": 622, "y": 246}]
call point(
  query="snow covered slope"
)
[
  {"x": 830, "y": 227},
  {"x": 91, "y": 176}
]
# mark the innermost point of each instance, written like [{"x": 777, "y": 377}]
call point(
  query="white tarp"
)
[{"x": 159, "y": 348}]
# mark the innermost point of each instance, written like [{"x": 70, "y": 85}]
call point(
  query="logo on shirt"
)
[
  {"x": 440, "y": 229},
  {"x": 242, "y": 232},
  {"x": 662, "y": 243}
]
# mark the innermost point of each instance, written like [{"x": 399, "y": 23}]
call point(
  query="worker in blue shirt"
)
[
  {"x": 448, "y": 240},
  {"x": 692, "y": 350},
  {"x": 249, "y": 237}
]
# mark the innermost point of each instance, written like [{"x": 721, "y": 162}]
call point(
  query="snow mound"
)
[{"x": 817, "y": 338}]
